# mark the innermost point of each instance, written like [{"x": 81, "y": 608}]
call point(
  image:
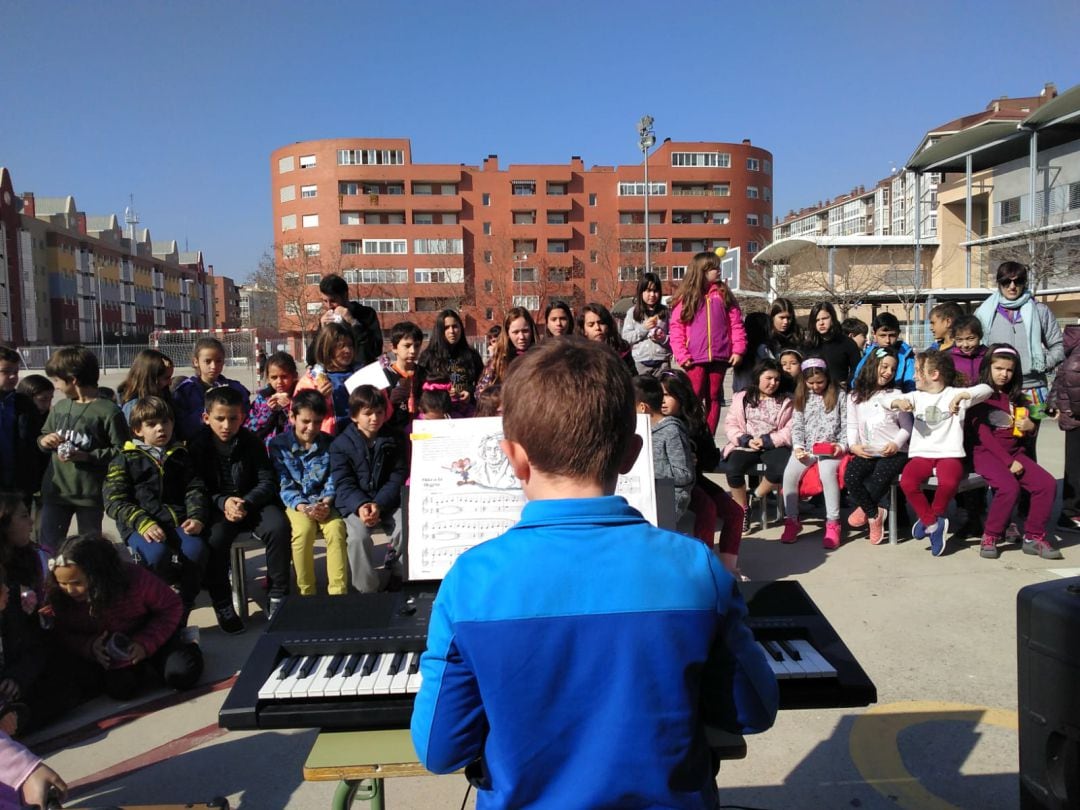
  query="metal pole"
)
[
  {"x": 100, "y": 317},
  {"x": 967, "y": 227},
  {"x": 917, "y": 218},
  {"x": 648, "y": 247},
  {"x": 1033, "y": 173}
]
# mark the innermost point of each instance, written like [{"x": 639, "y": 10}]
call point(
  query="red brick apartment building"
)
[
  {"x": 414, "y": 238},
  {"x": 226, "y": 302}
]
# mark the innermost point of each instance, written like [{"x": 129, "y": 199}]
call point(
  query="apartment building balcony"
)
[
  {"x": 557, "y": 202},
  {"x": 435, "y": 202},
  {"x": 560, "y": 233}
]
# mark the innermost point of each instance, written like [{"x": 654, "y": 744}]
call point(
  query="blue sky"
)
[{"x": 181, "y": 103}]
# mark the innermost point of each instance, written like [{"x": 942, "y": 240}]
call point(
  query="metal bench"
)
[{"x": 972, "y": 481}]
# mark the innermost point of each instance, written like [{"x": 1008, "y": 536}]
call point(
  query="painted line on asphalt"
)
[
  {"x": 873, "y": 745},
  {"x": 1064, "y": 572}
]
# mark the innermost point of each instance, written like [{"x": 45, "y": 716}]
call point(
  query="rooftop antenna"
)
[{"x": 131, "y": 219}]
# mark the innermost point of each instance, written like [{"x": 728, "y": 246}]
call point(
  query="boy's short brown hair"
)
[
  {"x": 74, "y": 363},
  {"x": 570, "y": 404},
  {"x": 150, "y": 409},
  {"x": 9, "y": 355},
  {"x": 366, "y": 398}
]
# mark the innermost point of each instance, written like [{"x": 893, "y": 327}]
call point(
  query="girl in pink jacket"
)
[
  {"x": 707, "y": 333},
  {"x": 24, "y": 778}
]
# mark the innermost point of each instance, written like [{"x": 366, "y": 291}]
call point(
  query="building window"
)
[
  {"x": 307, "y": 161},
  {"x": 592, "y": 200},
  {"x": 638, "y": 189},
  {"x": 386, "y": 304},
  {"x": 385, "y": 246},
  {"x": 489, "y": 313},
  {"x": 311, "y": 249},
  {"x": 524, "y": 274},
  {"x": 288, "y": 222},
  {"x": 313, "y": 307},
  {"x": 440, "y": 246},
  {"x": 752, "y": 220},
  {"x": 766, "y": 166},
  {"x": 310, "y": 221},
  {"x": 1009, "y": 210},
  {"x": 421, "y": 189},
  {"x": 370, "y": 157},
  {"x": 523, "y": 188},
  {"x": 439, "y": 275},
  {"x": 377, "y": 275},
  {"x": 309, "y": 191},
  {"x": 766, "y": 193},
  {"x": 719, "y": 160},
  {"x": 312, "y": 278},
  {"x": 487, "y": 229},
  {"x": 524, "y": 217},
  {"x": 556, "y": 217},
  {"x": 556, "y": 246},
  {"x": 594, "y": 285},
  {"x": 351, "y": 248},
  {"x": 752, "y": 192},
  {"x": 487, "y": 257},
  {"x": 489, "y": 286},
  {"x": 485, "y": 199},
  {"x": 350, "y": 218},
  {"x": 593, "y": 255},
  {"x": 751, "y": 246},
  {"x": 592, "y": 228},
  {"x": 290, "y": 250},
  {"x": 449, "y": 219},
  {"x": 556, "y": 189},
  {"x": 287, "y": 194},
  {"x": 423, "y": 219},
  {"x": 285, "y": 164},
  {"x": 349, "y": 189},
  {"x": 678, "y": 272},
  {"x": 531, "y": 302},
  {"x": 753, "y": 165}
]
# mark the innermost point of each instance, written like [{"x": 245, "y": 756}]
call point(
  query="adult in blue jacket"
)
[{"x": 586, "y": 685}]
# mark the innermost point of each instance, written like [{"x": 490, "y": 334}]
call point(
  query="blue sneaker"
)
[
  {"x": 937, "y": 536},
  {"x": 918, "y": 531}
]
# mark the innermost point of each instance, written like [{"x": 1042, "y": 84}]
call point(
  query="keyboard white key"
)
[
  {"x": 296, "y": 682},
  {"x": 317, "y": 687},
  {"x": 399, "y": 685},
  {"x": 384, "y": 679},
  {"x": 814, "y": 663},
  {"x": 313, "y": 684},
  {"x": 266, "y": 691},
  {"x": 337, "y": 682},
  {"x": 366, "y": 685},
  {"x": 415, "y": 678},
  {"x": 783, "y": 668}
]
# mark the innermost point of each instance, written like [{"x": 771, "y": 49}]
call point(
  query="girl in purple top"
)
[
  {"x": 967, "y": 350},
  {"x": 1000, "y": 424}
]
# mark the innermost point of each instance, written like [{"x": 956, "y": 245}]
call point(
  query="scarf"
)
[{"x": 988, "y": 309}]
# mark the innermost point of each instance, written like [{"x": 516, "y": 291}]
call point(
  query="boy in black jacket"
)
[
  {"x": 243, "y": 489},
  {"x": 21, "y": 463},
  {"x": 368, "y": 464},
  {"x": 158, "y": 502}
]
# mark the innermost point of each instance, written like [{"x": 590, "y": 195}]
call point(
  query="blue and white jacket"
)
[
  {"x": 588, "y": 685},
  {"x": 304, "y": 474}
]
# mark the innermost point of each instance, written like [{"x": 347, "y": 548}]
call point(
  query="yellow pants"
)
[{"x": 304, "y": 530}]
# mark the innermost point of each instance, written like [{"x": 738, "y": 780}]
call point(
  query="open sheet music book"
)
[{"x": 462, "y": 491}]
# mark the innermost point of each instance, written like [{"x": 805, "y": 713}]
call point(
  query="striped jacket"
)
[{"x": 140, "y": 490}]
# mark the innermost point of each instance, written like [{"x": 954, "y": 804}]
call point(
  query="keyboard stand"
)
[{"x": 361, "y": 760}]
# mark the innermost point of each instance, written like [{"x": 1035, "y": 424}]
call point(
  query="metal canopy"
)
[
  {"x": 989, "y": 144},
  {"x": 1064, "y": 108}
]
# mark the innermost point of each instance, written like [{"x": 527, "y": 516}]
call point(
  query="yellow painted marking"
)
[{"x": 874, "y": 747}]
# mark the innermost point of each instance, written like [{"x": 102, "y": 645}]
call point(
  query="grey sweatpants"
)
[
  {"x": 829, "y": 470},
  {"x": 363, "y": 574}
]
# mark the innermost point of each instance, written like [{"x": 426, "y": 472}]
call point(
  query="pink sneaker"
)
[
  {"x": 857, "y": 518},
  {"x": 832, "y": 535},
  {"x": 792, "y": 527},
  {"x": 877, "y": 526}
]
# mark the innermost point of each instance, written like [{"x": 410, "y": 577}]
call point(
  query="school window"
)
[
  {"x": 638, "y": 189},
  {"x": 307, "y": 161},
  {"x": 449, "y": 219},
  {"x": 287, "y": 193},
  {"x": 721, "y": 217},
  {"x": 285, "y": 164},
  {"x": 524, "y": 274},
  {"x": 487, "y": 229},
  {"x": 291, "y": 308},
  {"x": 556, "y": 246},
  {"x": 485, "y": 199},
  {"x": 309, "y": 191},
  {"x": 288, "y": 222},
  {"x": 448, "y": 189},
  {"x": 350, "y": 248},
  {"x": 312, "y": 278},
  {"x": 721, "y": 189},
  {"x": 422, "y": 189},
  {"x": 310, "y": 221},
  {"x": 313, "y": 307},
  {"x": 753, "y": 165},
  {"x": 311, "y": 249},
  {"x": 291, "y": 278},
  {"x": 752, "y": 192},
  {"x": 752, "y": 220},
  {"x": 592, "y": 200}
]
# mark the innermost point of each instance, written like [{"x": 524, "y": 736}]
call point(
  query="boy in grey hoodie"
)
[{"x": 672, "y": 455}]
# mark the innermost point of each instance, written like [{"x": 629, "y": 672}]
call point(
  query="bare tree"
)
[
  {"x": 612, "y": 281},
  {"x": 287, "y": 277},
  {"x": 908, "y": 286},
  {"x": 1052, "y": 254}
]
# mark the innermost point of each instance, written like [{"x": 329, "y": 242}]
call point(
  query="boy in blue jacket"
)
[
  {"x": 594, "y": 686},
  {"x": 368, "y": 464},
  {"x": 886, "y": 329}
]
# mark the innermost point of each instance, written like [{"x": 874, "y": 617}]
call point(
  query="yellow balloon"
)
[{"x": 720, "y": 251}]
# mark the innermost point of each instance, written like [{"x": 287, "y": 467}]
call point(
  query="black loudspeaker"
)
[{"x": 1048, "y": 660}]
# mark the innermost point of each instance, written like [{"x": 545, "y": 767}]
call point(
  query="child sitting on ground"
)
[
  {"x": 937, "y": 442},
  {"x": 189, "y": 397},
  {"x": 658, "y": 609},
  {"x": 1000, "y": 425},
  {"x": 269, "y": 414},
  {"x": 368, "y": 463},
  {"x": 818, "y": 435},
  {"x": 243, "y": 491},
  {"x": 158, "y": 502},
  {"x": 119, "y": 621},
  {"x": 82, "y": 434},
  {"x": 672, "y": 456},
  {"x": 301, "y": 457}
]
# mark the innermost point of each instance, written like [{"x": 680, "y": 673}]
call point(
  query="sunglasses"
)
[{"x": 1013, "y": 282}]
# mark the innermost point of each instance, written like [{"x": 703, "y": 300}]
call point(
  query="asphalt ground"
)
[{"x": 936, "y": 635}]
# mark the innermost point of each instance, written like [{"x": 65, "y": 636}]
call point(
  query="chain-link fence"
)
[{"x": 115, "y": 357}]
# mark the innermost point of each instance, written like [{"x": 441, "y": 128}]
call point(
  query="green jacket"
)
[
  {"x": 98, "y": 428},
  {"x": 141, "y": 491}
]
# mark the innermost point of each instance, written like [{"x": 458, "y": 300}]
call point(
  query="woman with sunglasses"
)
[{"x": 1011, "y": 315}]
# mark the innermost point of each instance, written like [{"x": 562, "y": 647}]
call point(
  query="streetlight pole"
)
[{"x": 646, "y": 139}]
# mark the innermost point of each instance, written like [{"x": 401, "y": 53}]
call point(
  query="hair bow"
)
[
  {"x": 430, "y": 386},
  {"x": 879, "y": 353},
  {"x": 58, "y": 562}
]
